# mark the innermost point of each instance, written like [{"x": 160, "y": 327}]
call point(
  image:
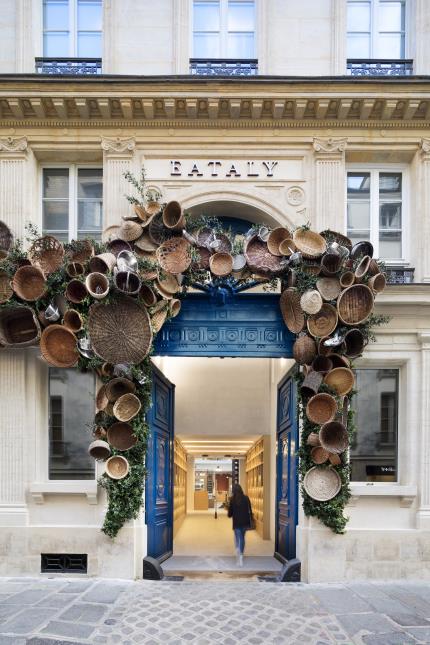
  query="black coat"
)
[{"x": 241, "y": 513}]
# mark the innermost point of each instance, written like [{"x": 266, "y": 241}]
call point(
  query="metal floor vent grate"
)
[{"x": 64, "y": 562}]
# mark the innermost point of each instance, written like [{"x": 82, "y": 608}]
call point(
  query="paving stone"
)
[
  {"x": 394, "y": 638},
  {"x": 50, "y": 641},
  {"x": 409, "y": 620},
  {"x": 7, "y": 611},
  {"x": 84, "y": 612},
  {"x": 27, "y": 621},
  {"x": 420, "y": 633},
  {"x": 340, "y": 600},
  {"x": 72, "y": 630},
  {"x": 354, "y": 623},
  {"x": 104, "y": 592},
  {"x": 12, "y": 640},
  {"x": 29, "y": 597},
  {"x": 77, "y": 587},
  {"x": 57, "y": 600}
]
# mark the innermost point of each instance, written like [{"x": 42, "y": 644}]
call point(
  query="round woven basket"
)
[
  {"x": 129, "y": 231},
  {"x": 144, "y": 243},
  {"x": 334, "y": 459},
  {"x": 76, "y": 291},
  {"x": 126, "y": 407},
  {"x": 361, "y": 249},
  {"x": 99, "y": 450},
  {"x": 311, "y": 244},
  {"x": 159, "y": 317},
  {"x": 75, "y": 269},
  {"x": 329, "y": 288},
  {"x": 168, "y": 284},
  {"x": 101, "y": 398},
  {"x": 322, "y": 364},
  {"x": 29, "y": 283},
  {"x": 355, "y": 304},
  {"x": 321, "y": 408},
  {"x": 319, "y": 455},
  {"x": 103, "y": 263},
  {"x": 324, "y": 322},
  {"x": 287, "y": 247},
  {"x": 117, "y": 467},
  {"x": 340, "y": 379},
  {"x": 174, "y": 307},
  {"x": 221, "y": 264},
  {"x": 47, "y": 253},
  {"x": 311, "y": 267},
  {"x": 6, "y": 290},
  {"x": 259, "y": 257},
  {"x": 141, "y": 212},
  {"x": 19, "y": 326},
  {"x": 339, "y": 361},
  {"x": 322, "y": 484},
  {"x": 72, "y": 319},
  {"x": 99, "y": 433},
  {"x": 58, "y": 346},
  {"x": 362, "y": 268},
  {"x": 311, "y": 383},
  {"x": 202, "y": 264},
  {"x": 81, "y": 252},
  {"x": 121, "y": 436},
  {"x": 116, "y": 246},
  {"x": 152, "y": 207},
  {"x": 313, "y": 439},
  {"x": 334, "y": 437},
  {"x": 304, "y": 350},
  {"x": 330, "y": 264},
  {"x": 354, "y": 343},
  {"x": 156, "y": 230},
  {"x": 173, "y": 216},
  {"x": 291, "y": 310},
  {"x": 147, "y": 296},
  {"x": 373, "y": 267},
  {"x": 347, "y": 279},
  {"x": 118, "y": 387},
  {"x": 275, "y": 238},
  {"x": 128, "y": 282},
  {"x": 213, "y": 240},
  {"x": 377, "y": 283},
  {"x": 97, "y": 285},
  {"x": 6, "y": 237},
  {"x": 174, "y": 255},
  {"x": 120, "y": 332},
  {"x": 311, "y": 302},
  {"x": 334, "y": 236}
]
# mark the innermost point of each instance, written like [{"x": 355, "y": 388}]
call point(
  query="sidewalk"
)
[{"x": 54, "y": 611}]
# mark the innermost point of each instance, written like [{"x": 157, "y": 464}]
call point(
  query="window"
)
[
  {"x": 72, "y": 28},
  {"x": 224, "y": 29},
  {"x": 73, "y": 202},
  {"x": 376, "y": 29},
  {"x": 375, "y": 211},
  {"x": 71, "y": 413},
  {"x": 373, "y": 452}
]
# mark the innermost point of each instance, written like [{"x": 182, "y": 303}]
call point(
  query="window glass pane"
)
[
  {"x": 206, "y": 16},
  {"x": 358, "y": 216},
  {"x": 56, "y": 15},
  {"x": 358, "y": 185},
  {"x": 90, "y": 182},
  {"x": 358, "y": 46},
  {"x": 391, "y": 16},
  {"x": 390, "y": 216},
  {"x": 390, "y": 245},
  {"x": 90, "y": 217},
  {"x": 89, "y": 45},
  {"x": 56, "y": 182},
  {"x": 56, "y": 218},
  {"x": 240, "y": 16},
  {"x": 206, "y": 46},
  {"x": 90, "y": 15},
  {"x": 56, "y": 45},
  {"x": 373, "y": 451},
  {"x": 240, "y": 45},
  {"x": 390, "y": 46},
  {"x": 71, "y": 395},
  {"x": 358, "y": 16},
  {"x": 390, "y": 185}
]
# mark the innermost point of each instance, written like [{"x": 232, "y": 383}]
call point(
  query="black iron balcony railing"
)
[
  {"x": 400, "y": 275},
  {"x": 223, "y": 67},
  {"x": 379, "y": 67},
  {"x": 71, "y": 66}
]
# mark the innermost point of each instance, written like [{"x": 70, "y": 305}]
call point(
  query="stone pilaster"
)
[
  {"x": 15, "y": 199},
  {"x": 424, "y": 209},
  {"x": 117, "y": 159},
  {"x": 329, "y": 206},
  {"x": 423, "y": 514},
  {"x": 338, "y": 37}
]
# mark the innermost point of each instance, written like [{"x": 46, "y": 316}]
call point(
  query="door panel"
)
[
  {"x": 286, "y": 469},
  {"x": 159, "y": 483}
]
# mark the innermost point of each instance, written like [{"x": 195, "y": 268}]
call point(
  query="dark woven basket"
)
[
  {"x": 19, "y": 327},
  {"x": 304, "y": 350},
  {"x": 117, "y": 387},
  {"x": 72, "y": 319},
  {"x": 202, "y": 264},
  {"x": 81, "y": 251},
  {"x": 29, "y": 283},
  {"x": 102, "y": 263},
  {"x": 156, "y": 230},
  {"x": 330, "y": 264},
  {"x": 99, "y": 450},
  {"x": 334, "y": 437},
  {"x": 116, "y": 246},
  {"x": 75, "y": 269},
  {"x": 322, "y": 364},
  {"x": 6, "y": 237},
  {"x": 311, "y": 383},
  {"x": 120, "y": 332},
  {"x": 321, "y": 408},
  {"x": 121, "y": 436},
  {"x": 291, "y": 310},
  {"x": 6, "y": 290},
  {"x": 76, "y": 291},
  {"x": 128, "y": 282},
  {"x": 259, "y": 257},
  {"x": 58, "y": 346},
  {"x": 47, "y": 253},
  {"x": 354, "y": 343},
  {"x": 147, "y": 295}
]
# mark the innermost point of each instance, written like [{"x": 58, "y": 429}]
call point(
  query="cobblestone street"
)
[{"x": 54, "y": 611}]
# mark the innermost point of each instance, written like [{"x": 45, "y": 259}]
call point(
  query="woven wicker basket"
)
[
  {"x": 128, "y": 282},
  {"x": 75, "y": 269},
  {"x": 362, "y": 268},
  {"x": 221, "y": 264},
  {"x": 377, "y": 283},
  {"x": 174, "y": 307},
  {"x": 311, "y": 244},
  {"x": 338, "y": 360},
  {"x": 202, "y": 264},
  {"x": 156, "y": 230},
  {"x": 126, "y": 407},
  {"x": 58, "y": 346},
  {"x": 329, "y": 288},
  {"x": 340, "y": 379},
  {"x": 159, "y": 316},
  {"x": 72, "y": 319},
  {"x": 334, "y": 236},
  {"x": 101, "y": 398},
  {"x": 168, "y": 284},
  {"x": 330, "y": 264},
  {"x": 361, "y": 249},
  {"x": 324, "y": 322},
  {"x": 99, "y": 450},
  {"x": 29, "y": 283},
  {"x": 19, "y": 326},
  {"x": 76, "y": 291},
  {"x": 174, "y": 255},
  {"x": 291, "y": 310},
  {"x": 347, "y": 279},
  {"x": 129, "y": 231},
  {"x": 99, "y": 433},
  {"x": 116, "y": 246},
  {"x": 311, "y": 383},
  {"x": 322, "y": 364},
  {"x": 334, "y": 437},
  {"x": 119, "y": 386},
  {"x": 319, "y": 455},
  {"x": 81, "y": 252},
  {"x": 355, "y": 304},
  {"x": 334, "y": 459},
  {"x": 259, "y": 257},
  {"x": 97, "y": 285},
  {"x": 354, "y": 343},
  {"x": 313, "y": 439},
  {"x": 311, "y": 302},
  {"x": 173, "y": 216},
  {"x": 144, "y": 243},
  {"x": 276, "y": 237},
  {"x": 117, "y": 467},
  {"x": 120, "y": 332},
  {"x": 121, "y": 436},
  {"x": 6, "y": 237},
  {"x": 304, "y": 350},
  {"x": 287, "y": 247},
  {"x": 321, "y": 408},
  {"x": 141, "y": 212},
  {"x": 47, "y": 253},
  {"x": 147, "y": 295},
  {"x": 322, "y": 484},
  {"x": 6, "y": 290},
  {"x": 103, "y": 263},
  {"x": 373, "y": 267}
]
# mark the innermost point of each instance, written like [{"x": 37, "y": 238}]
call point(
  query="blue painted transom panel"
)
[{"x": 248, "y": 325}]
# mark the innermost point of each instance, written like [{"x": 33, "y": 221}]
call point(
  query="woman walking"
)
[{"x": 241, "y": 512}]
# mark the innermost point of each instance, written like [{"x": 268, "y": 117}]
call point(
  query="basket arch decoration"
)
[{"x": 115, "y": 322}]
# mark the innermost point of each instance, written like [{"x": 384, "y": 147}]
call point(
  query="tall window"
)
[
  {"x": 71, "y": 412},
  {"x": 224, "y": 29},
  {"x": 373, "y": 452},
  {"x": 72, "y": 28},
  {"x": 73, "y": 202},
  {"x": 375, "y": 211},
  {"x": 376, "y": 29}
]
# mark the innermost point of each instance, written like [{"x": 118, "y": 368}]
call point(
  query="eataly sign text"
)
[{"x": 217, "y": 168}]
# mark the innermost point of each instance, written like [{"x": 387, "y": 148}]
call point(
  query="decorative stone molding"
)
[
  {"x": 118, "y": 146},
  {"x": 11, "y": 144},
  {"x": 295, "y": 196},
  {"x": 330, "y": 183},
  {"x": 38, "y": 491},
  {"x": 423, "y": 514},
  {"x": 425, "y": 147},
  {"x": 330, "y": 146}
]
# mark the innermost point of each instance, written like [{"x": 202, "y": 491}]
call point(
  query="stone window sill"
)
[
  {"x": 38, "y": 490},
  {"x": 406, "y": 493}
]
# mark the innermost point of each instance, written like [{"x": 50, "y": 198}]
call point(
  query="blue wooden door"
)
[
  {"x": 286, "y": 469},
  {"x": 159, "y": 484}
]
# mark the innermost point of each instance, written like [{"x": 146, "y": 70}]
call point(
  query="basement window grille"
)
[{"x": 64, "y": 563}]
